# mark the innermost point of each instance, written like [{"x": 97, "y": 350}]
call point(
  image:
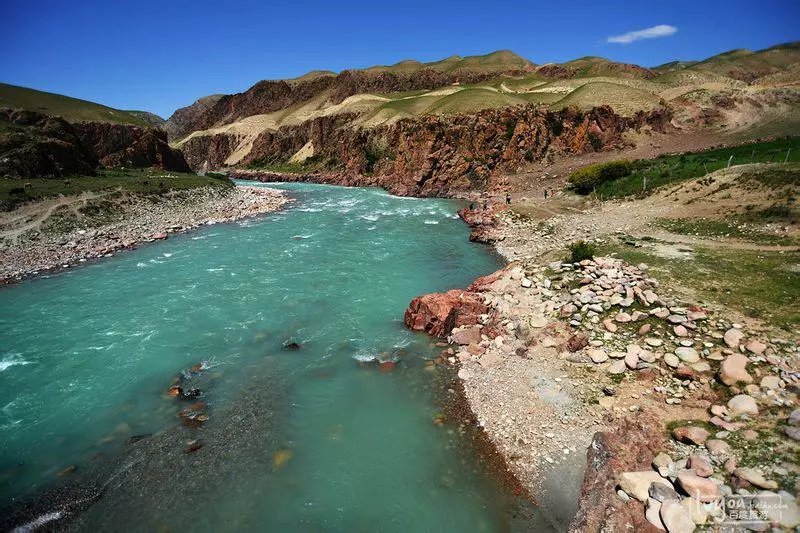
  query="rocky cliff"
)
[
  {"x": 37, "y": 145},
  {"x": 432, "y": 155}
]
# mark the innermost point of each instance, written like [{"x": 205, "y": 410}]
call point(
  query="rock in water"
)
[{"x": 281, "y": 457}]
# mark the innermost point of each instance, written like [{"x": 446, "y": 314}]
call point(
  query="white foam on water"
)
[
  {"x": 12, "y": 360},
  {"x": 372, "y": 228},
  {"x": 365, "y": 357},
  {"x": 371, "y": 217},
  {"x": 38, "y": 522},
  {"x": 431, "y": 221},
  {"x": 141, "y": 265},
  {"x": 214, "y": 269},
  {"x": 167, "y": 254}
]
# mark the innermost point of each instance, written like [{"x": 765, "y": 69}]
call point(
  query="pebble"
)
[
  {"x": 742, "y": 404},
  {"x": 687, "y": 354}
]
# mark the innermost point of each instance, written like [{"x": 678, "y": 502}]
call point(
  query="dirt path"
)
[{"x": 35, "y": 214}]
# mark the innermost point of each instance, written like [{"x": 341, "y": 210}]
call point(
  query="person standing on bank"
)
[{"x": 508, "y": 198}]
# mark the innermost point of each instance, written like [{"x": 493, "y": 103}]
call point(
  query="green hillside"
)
[{"x": 71, "y": 109}]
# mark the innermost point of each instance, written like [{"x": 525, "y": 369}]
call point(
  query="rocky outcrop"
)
[
  {"x": 117, "y": 145},
  {"x": 37, "y": 145},
  {"x": 438, "y": 313},
  {"x": 631, "y": 446},
  {"x": 434, "y": 155},
  {"x": 182, "y": 120},
  {"x": 481, "y": 222}
]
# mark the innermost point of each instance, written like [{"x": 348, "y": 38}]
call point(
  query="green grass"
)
[
  {"x": 720, "y": 228},
  {"x": 763, "y": 285},
  {"x": 71, "y": 109},
  {"x": 675, "y": 168},
  {"x": 14, "y": 192}
]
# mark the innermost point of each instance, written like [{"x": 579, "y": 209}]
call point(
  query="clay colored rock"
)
[
  {"x": 468, "y": 336},
  {"x": 733, "y": 370},
  {"x": 691, "y": 435},
  {"x": 755, "y": 478},
  {"x": 755, "y": 346},
  {"x": 438, "y": 313},
  {"x": 733, "y": 337},
  {"x": 676, "y": 517},
  {"x": 698, "y": 487},
  {"x": 637, "y": 484}
]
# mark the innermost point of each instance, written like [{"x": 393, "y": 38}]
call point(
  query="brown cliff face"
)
[
  {"x": 434, "y": 155},
  {"x": 37, "y": 145},
  {"x": 182, "y": 120}
]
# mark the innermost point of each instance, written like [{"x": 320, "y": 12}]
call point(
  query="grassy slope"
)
[
  {"x": 71, "y": 109},
  {"x": 674, "y": 168},
  {"x": 625, "y": 100},
  {"x": 140, "y": 181}
]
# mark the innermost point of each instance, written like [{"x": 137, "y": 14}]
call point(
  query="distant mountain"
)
[
  {"x": 68, "y": 108},
  {"x": 745, "y": 65},
  {"x": 150, "y": 118}
]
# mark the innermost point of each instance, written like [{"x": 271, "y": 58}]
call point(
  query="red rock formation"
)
[
  {"x": 631, "y": 446},
  {"x": 438, "y": 313},
  {"x": 481, "y": 222},
  {"x": 433, "y": 155}
]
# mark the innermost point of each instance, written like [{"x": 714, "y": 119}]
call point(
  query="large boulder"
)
[{"x": 438, "y": 313}]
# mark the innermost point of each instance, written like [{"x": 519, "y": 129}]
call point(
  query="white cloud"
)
[{"x": 662, "y": 30}]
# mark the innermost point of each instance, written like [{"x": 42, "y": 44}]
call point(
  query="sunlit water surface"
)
[{"x": 305, "y": 439}]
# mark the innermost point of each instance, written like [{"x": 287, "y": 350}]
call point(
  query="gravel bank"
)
[
  {"x": 62, "y": 232},
  {"x": 598, "y": 359}
]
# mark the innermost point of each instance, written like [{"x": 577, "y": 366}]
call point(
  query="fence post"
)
[
  {"x": 644, "y": 183},
  {"x": 730, "y": 160},
  {"x": 786, "y": 159}
]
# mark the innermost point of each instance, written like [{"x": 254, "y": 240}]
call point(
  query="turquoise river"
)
[{"x": 315, "y": 438}]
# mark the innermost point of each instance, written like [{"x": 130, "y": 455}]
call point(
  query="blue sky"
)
[{"x": 159, "y": 56}]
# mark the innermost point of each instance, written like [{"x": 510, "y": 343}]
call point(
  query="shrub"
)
[
  {"x": 580, "y": 250},
  {"x": 586, "y": 179}
]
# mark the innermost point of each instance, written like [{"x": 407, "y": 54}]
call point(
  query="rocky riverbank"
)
[
  {"x": 672, "y": 405},
  {"x": 58, "y": 233}
]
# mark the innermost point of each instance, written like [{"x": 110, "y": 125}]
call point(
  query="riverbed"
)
[{"x": 324, "y": 413}]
